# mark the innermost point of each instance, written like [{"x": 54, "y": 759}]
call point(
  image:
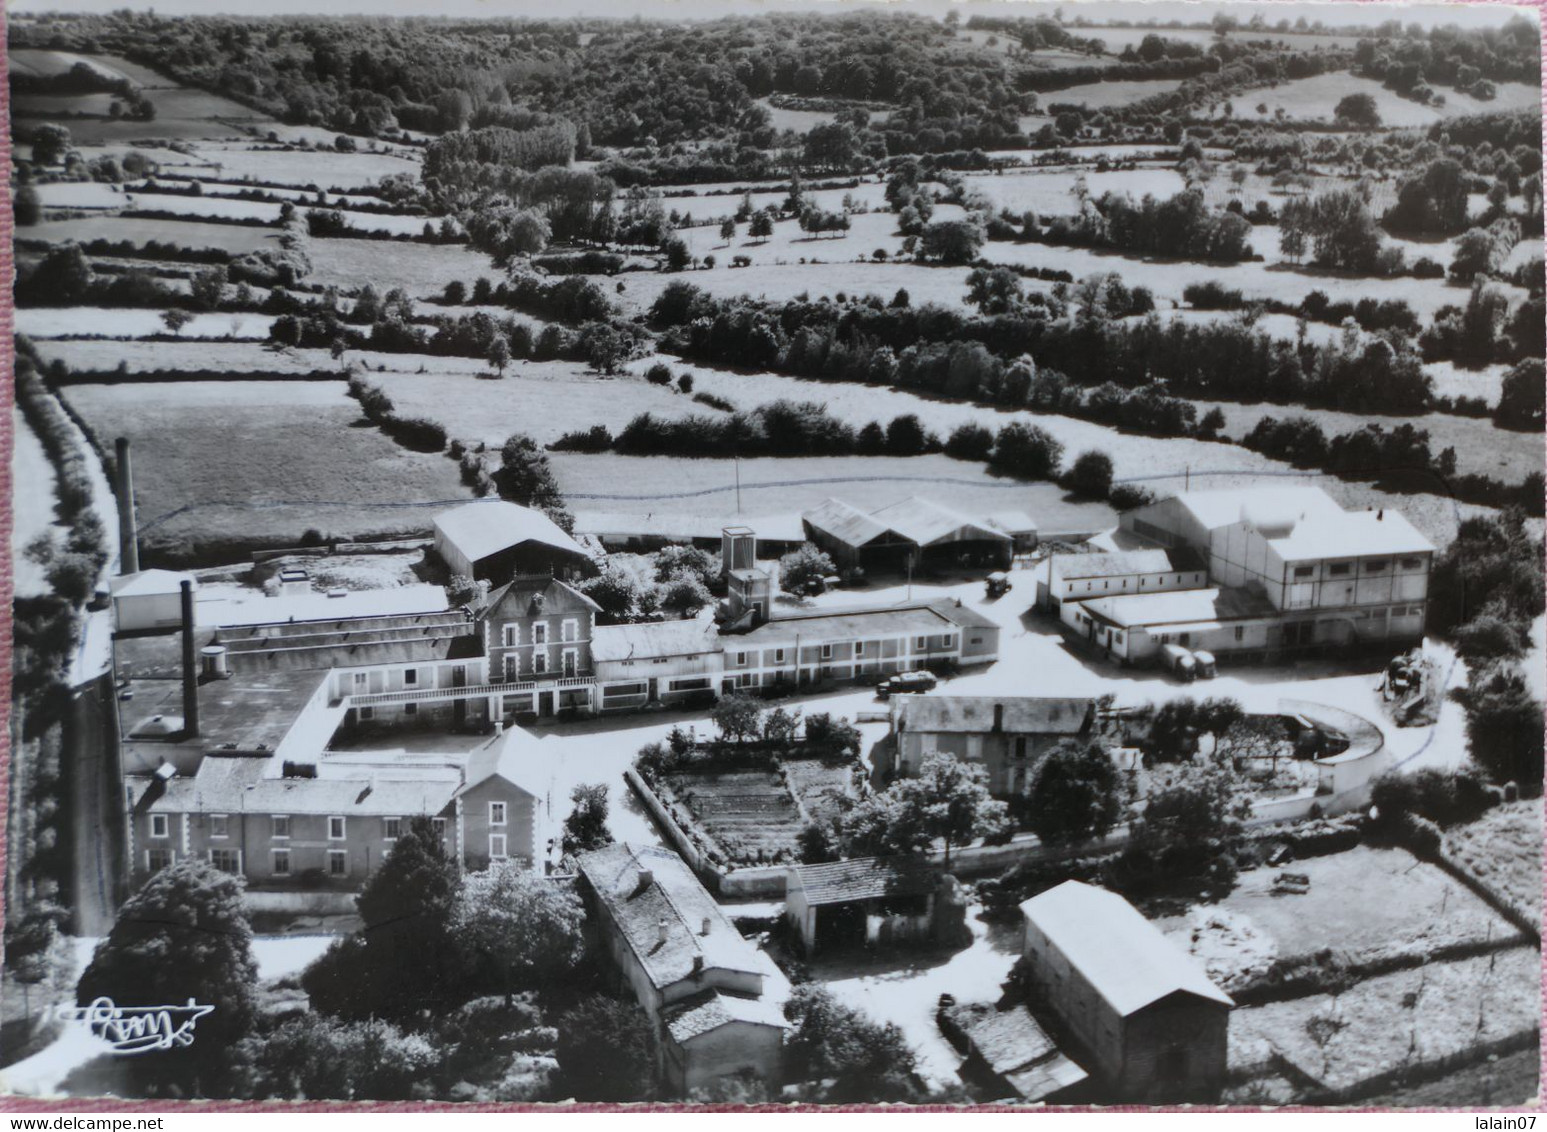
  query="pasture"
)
[
  {"x": 779, "y": 283},
  {"x": 868, "y": 232},
  {"x": 1118, "y": 38},
  {"x": 332, "y": 172},
  {"x": 1108, "y": 95},
  {"x": 234, "y": 238},
  {"x": 230, "y": 463},
  {"x": 104, "y": 355},
  {"x": 66, "y": 322},
  {"x": 1054, "y": 191},
  {"x": 542, "y": 399},
  {"x": 661, "y": 485},
  {"x": 1315, "y": 98},
  {"x": 422, "y": 270}
]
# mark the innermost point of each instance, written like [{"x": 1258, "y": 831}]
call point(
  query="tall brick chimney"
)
[{"x": 128, "y": 529}]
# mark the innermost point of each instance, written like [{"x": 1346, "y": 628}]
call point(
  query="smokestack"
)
[
  {"x": 128, "y": 529},
  {"x": 190, "y": 669}
]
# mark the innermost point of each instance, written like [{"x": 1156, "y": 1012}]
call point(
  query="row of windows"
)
[
  {"x": 510, "y": 632},
  {"x": 920, "y": 644},
  {"x": 1371, "y": 566},
  {"x": 569, "y": 663},
  {"x": 391, "y": 828},
  {"x": 230, "y": 860}
]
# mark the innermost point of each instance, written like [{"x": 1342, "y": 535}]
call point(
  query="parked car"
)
[
  {"x": 904, "y": 682},
  {"x": 1179, "y": 662},
  {"x": 996, "y": 584},
  {"x": 1207, "y": 666}
]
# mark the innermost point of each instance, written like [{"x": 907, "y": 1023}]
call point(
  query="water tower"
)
[{"x": 750, "y": 589}]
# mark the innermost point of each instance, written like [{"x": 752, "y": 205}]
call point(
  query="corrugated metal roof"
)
[
  {"x": 926, "y": 523},
  {"x": 862, "y": 878},
  {"x": 1038, "y": 715},
  {"x": 844, "y": 522},
  {"x": 486, "y": 527},
  {"x": 653, "y": 639},
  {"x": 1123, "y": 956}
]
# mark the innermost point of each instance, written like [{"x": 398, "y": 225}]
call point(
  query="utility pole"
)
[{"x": 737, "y": 462}]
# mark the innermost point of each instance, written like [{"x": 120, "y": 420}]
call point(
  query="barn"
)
[
  {"x": 911, "y": 533},
  {"x": 495, "y": 540}
]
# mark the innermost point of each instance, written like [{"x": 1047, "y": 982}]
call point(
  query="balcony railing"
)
[{"x": 466, "y": 691}]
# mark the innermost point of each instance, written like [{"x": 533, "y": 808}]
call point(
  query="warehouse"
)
[{"x": 912, "y": 533}]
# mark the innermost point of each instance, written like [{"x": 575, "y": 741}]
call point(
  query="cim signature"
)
[{"x": 137, "y": 1029}]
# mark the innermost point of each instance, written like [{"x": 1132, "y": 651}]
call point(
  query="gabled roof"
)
[
  {"x": 240, "y": 784},
  {"x": 1011, "y": 522},
  {"x": 1123, "y": 956},
  {"x": 844, "y": 522},
  {"x": 654, "y": 639},
  {"x": 1027, "y": 715},
  {"x": 515, "y": 757},
  {"x": 863, "y": 623},
  {"x": 926, "y": 523},
  {"x": 486, "y": 527},
  {"x": 525, "y": 589},
  {"x": 661, "y": 909},
  {"x": 709, "y": 1010},
  {"x": 861, "y": 878},
  {"x": 1220, "y": 508}
]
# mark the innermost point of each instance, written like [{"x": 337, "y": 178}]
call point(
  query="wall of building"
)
[
  {"x": 1078, "y": 589},
  {"x": 521, "y": 828},
  {"x": 1094, "y": 1024},
  {"x": 724, "y": 1052},
  {"x": 1012, "y": 760},
  {"x": 137, "y": 612},
  {"x": 1175, "y": 1050}
]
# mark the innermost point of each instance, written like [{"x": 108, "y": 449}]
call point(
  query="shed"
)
[
  {"x": 869, "y": 900},
  {"x": 495, "y": 540},
  {"x": 149, "y": 600}
]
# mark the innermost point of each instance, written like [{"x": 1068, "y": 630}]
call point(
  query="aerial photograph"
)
[{"x": 775, "y": 553}]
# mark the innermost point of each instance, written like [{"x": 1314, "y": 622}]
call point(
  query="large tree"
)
[
  {"x": 182, "y": 937},
  {"x": 518, "y": 930},
  {"x": 948, "y": 802},
  {"x": 855, "y": 1059},
  {"x": 801, "y": 566},
  {"x": 1504, "y": 727},
  {"x": 606, "y": 1052},
  {"x": 586, "y": 826},
  {"x": 1077, "y": 794}
]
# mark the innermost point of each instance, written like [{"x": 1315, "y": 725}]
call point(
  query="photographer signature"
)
[{"x": 137, "y": 1029}]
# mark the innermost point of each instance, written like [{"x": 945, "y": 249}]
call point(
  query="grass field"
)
[
  {"x": 420, "y": 269},
  {"x": 789, "y": 244},
  {"x": 228, "y": 462},
  {"x": 1314, "y": 99},
  {"x": 88, "y": 356},
  {"x": 37, "y": 61},
  {"x": 1480, "y": 448},
  {"x": 62, "y": 322},
  {"x": 1384, "y": 1024},
  {"x": 1503, "y": 849},
  {"x": 1050, "y": 192},
  {"x": 662, "y": 485},
  {"x": 1160, "y": 464},
  {"x": 333, "y": 172},
  {"x": 1451, "y": 380},
  {"x": 1105, "y": 96},
  {"x": 542, "y": 399},
  {"x": 780, "y": 283},
  {"x": 81, "y": 194},
  {"x": 234, "y": 238}
]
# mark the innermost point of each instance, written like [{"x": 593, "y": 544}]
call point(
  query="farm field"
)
[
  {"x": 1420, "y": 906},
  {"x": 801, "y": 121},
  {"x": 1380, "y": 1025},
  {"x": 1314, "y": 99},
  {"x": 233, "y": 463},
  {"x": 37, "y": 61},
  {"x": 788, "y": 243},
  {"x": 1051, "y": 192},
  {"x": 234, "y": 238},
  {"x": 420, "y": 269},
  {"x": 65, "y": 322},
  {"x": 1160, "y": 464},
  {"x": 781, "y": 282},
  {"x": 1168, "y": 278},
  {"x": 1105, "y": 96},
  {"x": 1503, "y": 849},
  {"x": 1450, "y": 380},
  {"x": 81, "y": 194},
  {"x": 542, "y": 399},
  {"x": 1480, "y": 447},
  {"x": 86, "y": 355},
  {"x": 655, "y": 485},
  {"x": 332, "y": 172}
]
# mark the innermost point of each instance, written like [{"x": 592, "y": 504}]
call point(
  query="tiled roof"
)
[
  {"x": 862, "y": 878},
  {"x": 1120, "y": 953},
  {"x": 661, "y": 908},
  {"x": 1032, "y": 715},
  {"x": 525, "y": 589},
  {"x": 653, "y": 639},
  {"x": 237, "y": 785},
  {"x": 486, "y": 527},
  {"x": 926, "y": 523},
  {"x": 710, "y": 1010},
  {"x": 1006, "y": 1040},
  {"x": 517, "y": 757}
]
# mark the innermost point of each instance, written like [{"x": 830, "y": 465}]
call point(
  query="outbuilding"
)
[
  {"x": 149, "y": 601},
  {"x": 495, "y": 540},
  {"x": 872, "y": 901}
]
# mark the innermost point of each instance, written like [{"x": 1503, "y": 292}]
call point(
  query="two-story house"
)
[
  {"x": 657, "y": 662},
  {"x": 672, "y": 947},
  {"x": 1009, "y": 736},
  {"x": 537, "y": 635}
]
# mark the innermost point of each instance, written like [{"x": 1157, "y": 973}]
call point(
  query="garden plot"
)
[
  {"x": 234, "y": 238},
  {"x": 1051, "y": 192},
  {"x": 1363, "y": 902},
  {"x": 545, "y": 400},
  {"x": 327, "y": 170},
  {"x": 783, "y": 282},
  {"x": 1168, "y": 278},
  {"x": 755, "y": 816},
  {"x": 1161, "y": 464},
  {"x": 65, "y": 322},
  {"x": 1503, "y": 849},
  {"x": 670, "y": 485},
  {"x": 1383, "y": 1025},
  {"x": 229, "y": 464},
  {"x": 420, "y": 269},
  {"x": 1480, "y": 447}
]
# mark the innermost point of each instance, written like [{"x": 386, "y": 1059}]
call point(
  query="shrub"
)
[
  {"x": 685, "y": 383},
  {"x": 1091, "y": 475},
  {"x": 658, "y": 374}
]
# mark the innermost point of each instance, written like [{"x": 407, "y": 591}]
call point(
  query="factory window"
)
[
  {"x": 859, "y": 648},
  {"x": 1339, "y": 569},
  {"x": 410, "y": 677},
  {"x": 827, "y": 652},
  {"x": 1305, "y": 571},
  {"x": 159, "y": 826},
  {"x": 1375, "y": 566},
  {"x": 1412, "y": 563},
  {"x": 778, "y": 656},
  {"x": 741, "y": 658}
]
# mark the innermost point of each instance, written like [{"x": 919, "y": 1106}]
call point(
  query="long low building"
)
[{"x": 911, "y": 532}]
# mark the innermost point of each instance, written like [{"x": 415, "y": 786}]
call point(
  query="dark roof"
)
[
  {"x": 251, "y": 711},
  {"x": 1029, "y": 715},
  {"x": 863, "y": 878},
  {"x": 650, "y": 893}
]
